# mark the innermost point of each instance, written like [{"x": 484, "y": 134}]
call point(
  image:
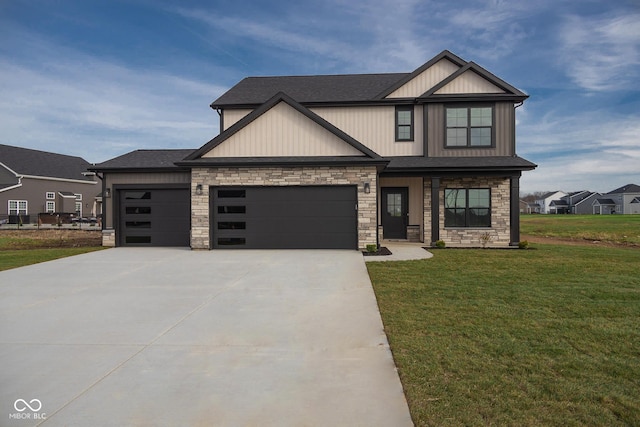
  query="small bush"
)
[
  {"x": 523, "y": 244},
  {"x": 372, "y": 248},
  {"x": 440, "y": 244}
]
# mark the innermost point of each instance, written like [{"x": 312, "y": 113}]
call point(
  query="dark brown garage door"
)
[
  {"x": 295, "y": 217},
  {"x": 154, "y": 217}
]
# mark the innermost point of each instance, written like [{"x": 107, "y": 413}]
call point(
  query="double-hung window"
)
[
  {"x": 50, "y": 207},
  {"x": 469, "y": 127},
  {"x": 467, "y": 207},
  {"x": 404, "y": 123},
  {"x": 17, "y": 207}
]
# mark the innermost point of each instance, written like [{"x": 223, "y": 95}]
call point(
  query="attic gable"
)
[
  {"x": 473, "y": 79},
  {"x": 281, "y": 127},
  {"x": 424, "y": 77},
  {"x": 425, "y": 80}
]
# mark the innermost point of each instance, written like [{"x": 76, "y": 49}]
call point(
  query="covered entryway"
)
[
  {"x": 153, "y": 217},
  {"x": 285, "y": 217}
]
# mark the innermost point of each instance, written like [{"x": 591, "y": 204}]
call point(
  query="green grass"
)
[
  {"x": 549, "y": 336},
  {"x": 620, "y": 229},
  {"x": 20, "y": 258}
]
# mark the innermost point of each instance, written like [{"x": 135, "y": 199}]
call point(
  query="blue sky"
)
[{"x": 101, "y": 78}]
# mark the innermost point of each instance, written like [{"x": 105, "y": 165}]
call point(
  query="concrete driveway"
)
[{"x": 167, "y": 337}]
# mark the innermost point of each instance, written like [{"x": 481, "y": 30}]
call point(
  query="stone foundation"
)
[{"x": 109, "y": 238}]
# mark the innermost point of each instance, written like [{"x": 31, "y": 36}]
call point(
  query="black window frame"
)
[
  {"x": 468, "y": 214},
  {"x": 469, "y": 127},
  {"x": 398, "y": 126}
]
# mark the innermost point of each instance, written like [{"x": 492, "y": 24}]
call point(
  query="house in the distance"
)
[
  {"x": 34, "y": 182},
  {"x": 334, "y": 161},
  {"x": 550, "y": 202},
  {"x": 623, "y": 200}
]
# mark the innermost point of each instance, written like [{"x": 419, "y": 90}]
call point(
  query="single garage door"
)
[
  {"x": 154, "y": 217},
  {"x": 294, "y": 217}
]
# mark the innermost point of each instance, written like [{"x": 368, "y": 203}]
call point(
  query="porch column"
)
[
  {"x": 515, "y": 211},
  {"x": 435, "y": 210}
]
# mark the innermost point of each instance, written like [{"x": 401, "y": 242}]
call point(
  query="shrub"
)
[
  {"x": 372, "y": 248},
  {"x": 440, "y": 244},
  {"x": 523, "y": 244}
]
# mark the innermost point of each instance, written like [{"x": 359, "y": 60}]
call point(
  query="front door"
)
[{"x": 395, "y": 212}]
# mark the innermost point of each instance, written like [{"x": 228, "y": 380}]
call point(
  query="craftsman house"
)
[
  {"x": 333, "y": 161},
  {"x": 33, "y": 182}
]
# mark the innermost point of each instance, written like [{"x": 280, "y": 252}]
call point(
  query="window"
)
[
  {"x": 51, "y": 195},
  {"x": 17, "y": 207},
  {"x": 78, "y": 196},
  {"x": 404, "y": 123},
  {"x": 467, "y": 207},
  {"x": 50, "y": 207},
  {"x": 79, "y": 208},
  {"x": 469, "y": 127}
]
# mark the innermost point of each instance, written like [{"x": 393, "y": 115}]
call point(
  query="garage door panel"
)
[
  {"x": 284, "y": 217},
  {"x": 154, "y": 217}
]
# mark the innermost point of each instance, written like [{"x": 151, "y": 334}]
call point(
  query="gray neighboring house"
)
[
  {"x": 623, "y": 200},
  {"x": 577, "y": 202},
  {"x": 34, "y": 182},
  {"x": 333, "y": 161}
]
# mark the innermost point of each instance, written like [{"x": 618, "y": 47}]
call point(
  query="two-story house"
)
[
  {"x": 623, "y": 200},
  {"x": 546, "y": 202},
  {"x": 333, "y": 161},
  {"x": 34, "y": 182}
]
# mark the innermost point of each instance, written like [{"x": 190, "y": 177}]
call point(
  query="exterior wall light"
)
[
  {"x": 367, "y": 188},
  {"x": 107, "y": 193},
  {"x": 199, "y": 189}
]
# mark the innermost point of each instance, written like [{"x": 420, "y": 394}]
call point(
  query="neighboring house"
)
[
  {"x": 581, "y": 203},
  {"x": 604, "y": 206},
  {"x": 34, "y": 182},
  {"x": 549, "y": 202},
  {"x": 337, "y": 161},
  {"x": 623, "y": 200}
]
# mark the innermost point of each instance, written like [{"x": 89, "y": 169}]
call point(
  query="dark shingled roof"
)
[
  {"x": 307, "y": 89},
  {"x": 400, "y": 164},
  {"x": 145, "y": 159},
  {"x": 629, "y": 188},
  {"x": 25, "y": 161},
  {"x": 606, "y": 202}
]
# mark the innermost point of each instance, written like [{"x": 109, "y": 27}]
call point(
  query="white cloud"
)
[
  {"x": 594, "y": 151},
  {"x": 602, "y": 53}
]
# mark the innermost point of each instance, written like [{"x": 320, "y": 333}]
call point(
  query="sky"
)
[{"x": 98, "y": 79}]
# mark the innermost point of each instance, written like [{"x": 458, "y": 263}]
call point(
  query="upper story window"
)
[
  {"x": 469, "y": 127},
  {"x": 50, "y": 195},
  {"x": 404, "y": 123}
]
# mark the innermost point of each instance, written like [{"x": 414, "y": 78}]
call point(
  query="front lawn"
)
[
  {"x": 618, "y": 229},
  {"x": 24, "y": 247},
  {"x": 549, "y": 336}
]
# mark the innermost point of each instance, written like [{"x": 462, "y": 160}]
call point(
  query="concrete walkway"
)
[
  {"x": 401, "y": 251},
  {"x": 168, "y": 337}
]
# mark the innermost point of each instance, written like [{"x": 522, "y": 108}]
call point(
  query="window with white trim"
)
[
  {"x": 78, "y": 196},
  {"x": 51, "y": 195},
  {"x": 17, "y": 207},
  {"x": 50, "y": 207},
  {"x": 469, "y": 127},
  {"x": 79, "y": 208}
]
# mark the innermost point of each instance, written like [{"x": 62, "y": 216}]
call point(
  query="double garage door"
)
[{"x": 289, "y": 217}]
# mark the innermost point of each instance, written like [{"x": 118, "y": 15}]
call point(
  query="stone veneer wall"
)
[
  {"x": 500, "y": 212},
  {"x": 283, "y": 176}
]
